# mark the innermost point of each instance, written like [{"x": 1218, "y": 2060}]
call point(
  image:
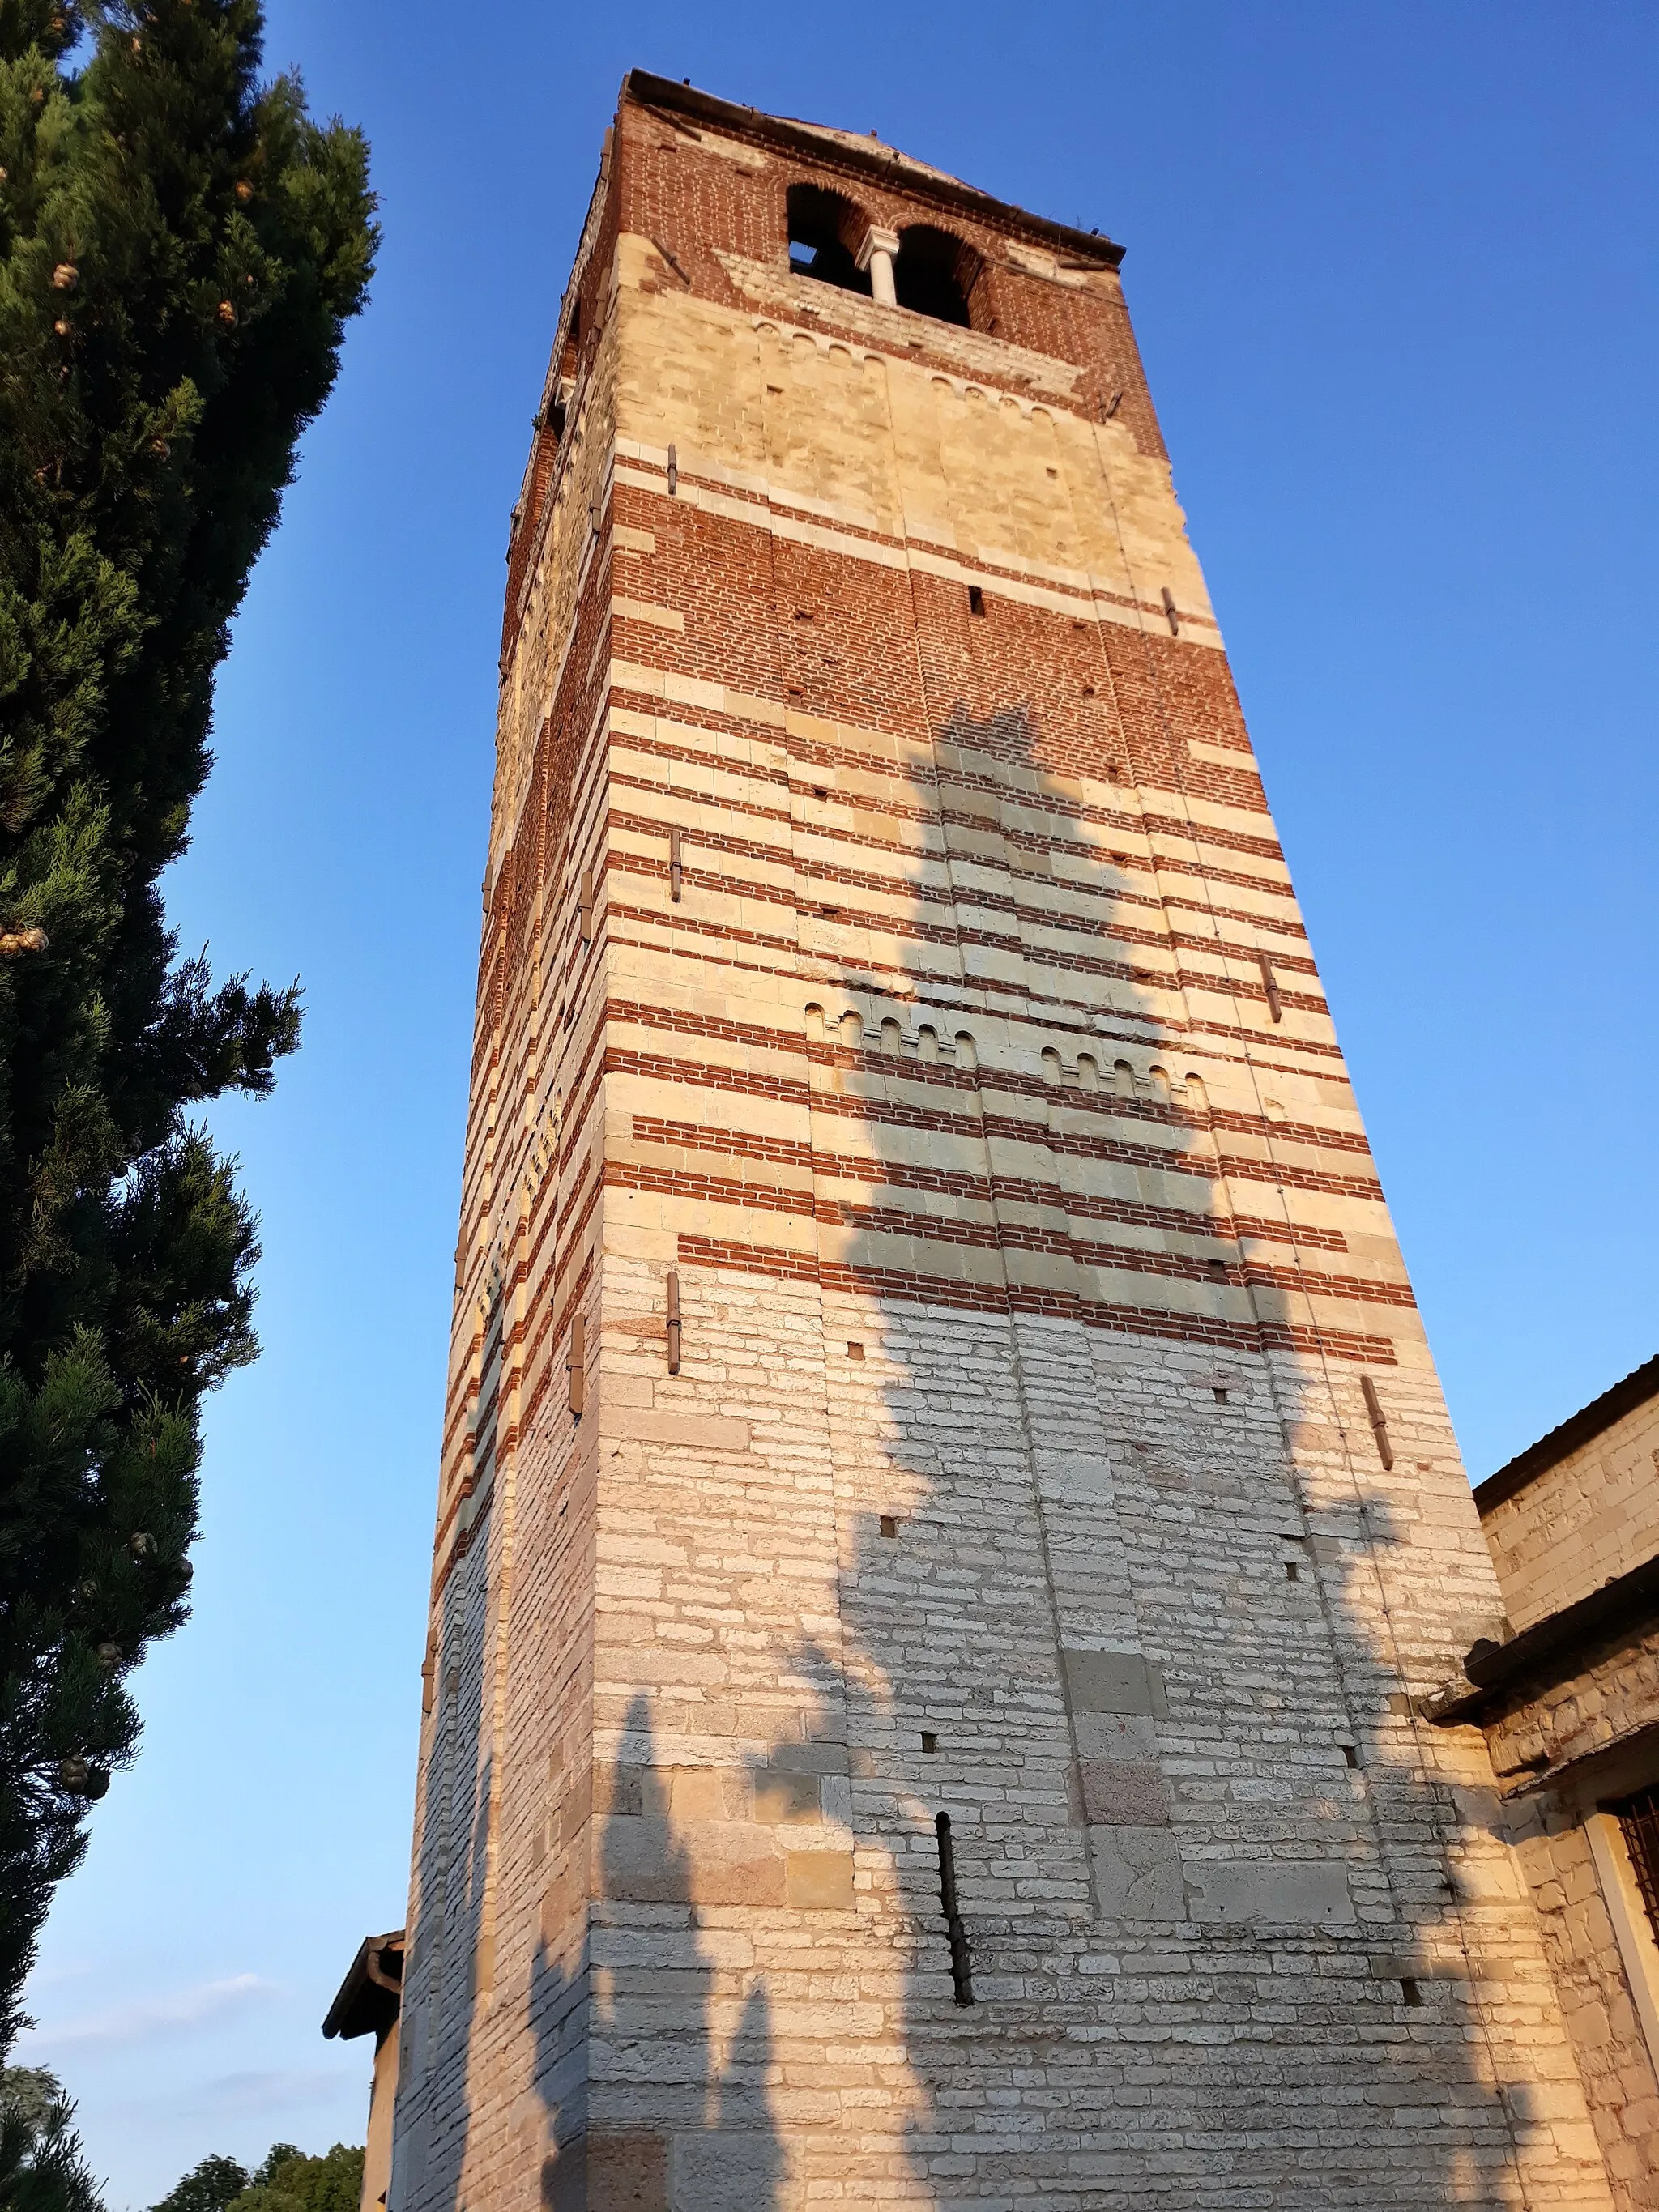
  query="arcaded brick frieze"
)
[{"x": 928, "y": 1339}]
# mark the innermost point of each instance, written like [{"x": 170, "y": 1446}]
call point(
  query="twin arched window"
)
[
  {"x": 825, "y": 233},
  {"x": 934, "y": 274},
  {"x": 931, "y": 272}
]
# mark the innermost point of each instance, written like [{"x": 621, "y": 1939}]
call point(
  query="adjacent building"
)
[
  {"x": 366, "y": 2003},
  {"x": 1569, "y": 1703}
]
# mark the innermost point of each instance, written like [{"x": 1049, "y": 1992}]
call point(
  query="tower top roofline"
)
[{"x": 870, "y": 156}]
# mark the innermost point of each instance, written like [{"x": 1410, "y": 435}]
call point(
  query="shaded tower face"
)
[{"x": 928, "y": 1339}]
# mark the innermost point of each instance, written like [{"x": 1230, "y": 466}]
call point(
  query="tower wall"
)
[{"x": 886, "y": 935}]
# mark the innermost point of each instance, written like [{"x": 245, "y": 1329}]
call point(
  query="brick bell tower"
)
[{"x": 947, "y": 1513}]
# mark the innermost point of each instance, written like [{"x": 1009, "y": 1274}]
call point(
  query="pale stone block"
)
[
  {"x": 608, "y": 2172},
  {"x": 1119, "y": 1793},
  {"x": 1309, "y": 1892},
  {"x": 705, "y": 1793},
  {"x": 1113, "y": 1682},
  {"x": 706, "y": 1863},
  {"x": 1136, "y": 1873},
  {"x": 725, "y": 2171},
  {"x": 820, "y": 1881},
  {"x": 638, "y": 1424},
  {"x": 786, "y": 1797},
  {"x": 1131, "y": 1737}
]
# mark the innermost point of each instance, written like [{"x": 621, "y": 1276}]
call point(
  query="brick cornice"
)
[{"x": 881, "y": 164}]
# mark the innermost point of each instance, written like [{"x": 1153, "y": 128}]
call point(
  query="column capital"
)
[{"x": 876, "y": 240}]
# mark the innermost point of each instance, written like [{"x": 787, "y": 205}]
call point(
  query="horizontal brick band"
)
[
  {"x": 817, "y": 751},
  {"x": 1092, "y": 1313},
  {"x": 998, "y": 1233},
  {"x": 675, "y": 803},
  {"x": 809, "y": 869},
  {"x": 739, "y": 1144},
  {"x": 710, "y": 1075}
]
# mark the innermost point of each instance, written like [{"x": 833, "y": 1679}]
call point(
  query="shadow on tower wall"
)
[
  {"x": 713, "y": 2146},
  {"x": 441, "y": 1978},
  {"x": 1217, "y": 1962},
  {"x": 1230, "y": 1918}
]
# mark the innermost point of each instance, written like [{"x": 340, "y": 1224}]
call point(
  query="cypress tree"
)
[{"x": 180, "y": 247}]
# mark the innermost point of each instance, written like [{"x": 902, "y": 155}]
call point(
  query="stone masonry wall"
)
[
  {"x": 1615, "y": 2062},
  {"x": 1562, "y": 1747},
  {"x": 1592, "y": 1515},
  {"x": 1583, "y": 1732},
  {"x": 888, "y": 952}
]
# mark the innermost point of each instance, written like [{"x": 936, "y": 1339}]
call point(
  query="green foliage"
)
[
  {"x": 278, "y": 2155},
  {"x": 209, "y": 2187},
  {"x": 285, "y": 2180},
  {"x": 289, "y": 2182},
  {"x": 180, "y": 247},
  {"x": 41, "y": 2168}
]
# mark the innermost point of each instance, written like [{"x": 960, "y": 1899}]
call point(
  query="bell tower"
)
[{"x": 947, "y": 1516}]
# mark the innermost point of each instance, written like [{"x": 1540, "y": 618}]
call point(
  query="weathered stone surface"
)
[
  {"x": 729, "y": 2171},
  {"x": 1113, "y": 1682},
  {"x": 1313, "y": 1892},
  {"x": 608, "y": 2173},
  {"x": 783, "y": 1796},
  {"x": 1138, "y": 1875},
  {"x": 820, "y": 1881},
  {"x": 702, "y": 1862},
  {"x": 1121, "y": 1793},
  {"x": 1586, "y": 1516}
]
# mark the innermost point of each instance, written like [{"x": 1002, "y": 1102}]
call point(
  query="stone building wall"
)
[
  {"x": 1566, "y": 1740},
  {"x": 1582, "y": 1519},
  {"x": 1570, "y": 1708},
  {"x": 1592, "y": 1916},
  {"x": 888, "y": 954}
]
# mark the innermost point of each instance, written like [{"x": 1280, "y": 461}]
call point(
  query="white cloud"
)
[{"x": 177, "y": 2011}]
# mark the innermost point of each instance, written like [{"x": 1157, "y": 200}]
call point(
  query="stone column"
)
[{"x": 876, "y": 254}]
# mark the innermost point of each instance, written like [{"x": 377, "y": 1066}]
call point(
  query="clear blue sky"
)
[{"x": 1394, "y": 274}]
